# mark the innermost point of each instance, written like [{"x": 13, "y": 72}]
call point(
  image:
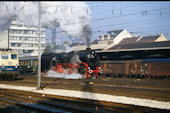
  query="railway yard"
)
[
  {"x": 60, "y": 58},
  {"x": 124, "y": 91}
]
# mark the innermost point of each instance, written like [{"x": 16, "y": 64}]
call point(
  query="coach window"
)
[
  {"x": 13, "y": 56},
  {"x": 4, "y": 56}
]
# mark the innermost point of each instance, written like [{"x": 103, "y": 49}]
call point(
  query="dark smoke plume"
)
[{"x": 87, "y": 34}]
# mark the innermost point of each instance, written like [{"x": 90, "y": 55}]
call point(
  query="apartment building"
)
[{"x": 22, "y": 39}]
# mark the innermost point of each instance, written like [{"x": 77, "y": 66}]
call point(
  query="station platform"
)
[{"x": 93, "y": 96}]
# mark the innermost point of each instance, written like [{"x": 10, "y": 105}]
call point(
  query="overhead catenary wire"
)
[
  {"x": 139, "y": 21},
  {"x": 14, "y": 8},
  {"x": 129, "y": 14}
]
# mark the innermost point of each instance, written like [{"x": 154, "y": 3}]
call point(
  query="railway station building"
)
[
  {"x": 118, "y": 37},
  {"x": 22, "y": 39},
  {"x": 105, "y": 40}
]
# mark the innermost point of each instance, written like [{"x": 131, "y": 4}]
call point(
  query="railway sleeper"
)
[
  {"x": 30, "y": 106},
  {"x": 76, "y": 109},
  {"x": 53, "y": 106}
]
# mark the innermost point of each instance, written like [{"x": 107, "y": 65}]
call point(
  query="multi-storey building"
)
[{"x": 23, "y": 39}]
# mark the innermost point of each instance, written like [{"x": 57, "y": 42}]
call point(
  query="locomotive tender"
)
[
  {"x": 82, "y": 62},
  {"x": 8, "y": 65}
]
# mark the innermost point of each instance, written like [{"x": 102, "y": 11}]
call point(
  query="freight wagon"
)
[{"x": 142, "y": 68}]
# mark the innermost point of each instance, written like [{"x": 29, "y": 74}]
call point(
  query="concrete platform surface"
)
[{"x": 93, "y": 96}]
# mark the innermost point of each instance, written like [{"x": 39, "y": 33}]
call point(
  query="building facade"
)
[
  {"x": 116, "y": 36},
  {"x": 22, "y": 39}
]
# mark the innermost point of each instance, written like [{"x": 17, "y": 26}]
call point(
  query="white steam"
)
[
  {"x": 72, "y": 17},
  {"x": 65, "y": 75}
]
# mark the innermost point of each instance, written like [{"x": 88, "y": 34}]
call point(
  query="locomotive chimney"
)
[{"x": 88, "y": 49}]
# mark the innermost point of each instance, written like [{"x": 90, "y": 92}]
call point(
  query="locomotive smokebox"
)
[{"x": 88, "y": 49}]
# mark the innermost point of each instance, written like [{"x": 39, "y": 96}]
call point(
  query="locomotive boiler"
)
[{"x": 82, "y": 62}]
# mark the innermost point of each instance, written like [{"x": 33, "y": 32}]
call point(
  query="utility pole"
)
[{"x": 39, "y": 51}]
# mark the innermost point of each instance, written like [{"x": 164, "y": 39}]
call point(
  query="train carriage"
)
[
  {"x": 28, "y": 64},
  {"x": 8, "y": 65},
  {"x": 137, "y": 68}
]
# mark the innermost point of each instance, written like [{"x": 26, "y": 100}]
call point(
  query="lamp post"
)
[{"x": 39, "y": 50}]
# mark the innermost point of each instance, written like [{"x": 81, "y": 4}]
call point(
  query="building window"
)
[
  {"x": 11, "y": 37},
  {"x": 42, "y": 45},
  {"x": 25, "y": 45},
  {"x": 42, "y": 32},
  {"x": 105, "y": 37},
  {"x": 25, "y": 32},
  {"x": 19, "y": 45},
  {"x": 13, "y": 44},
  {"x": 19, "y": 25},
  {"x": 16, "y": 25},
  {"x": 25, "y": 38},
  {"x": 100, "y": 37},
  {"x": 30, "y": 51},
  {"x": 42, "y": 39},
  {"x": 13, "y": 25},
  {"x": 17, "y": 31},
  {"x": 19, "y": 38}
]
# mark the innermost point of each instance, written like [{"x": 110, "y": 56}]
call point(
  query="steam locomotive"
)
[{"x": 82, "y": 62}]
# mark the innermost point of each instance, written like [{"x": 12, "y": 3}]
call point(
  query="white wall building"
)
[
  {"x": 116, "y": 36},
  {"x": 22, "y": 39}
]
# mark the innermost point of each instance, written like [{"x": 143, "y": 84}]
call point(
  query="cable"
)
[
  {"x": 128, "y": 22},
  {"x": 129, "y": 14},
  {"x": 1, "y": 12},
  {"x": 119, "y": 9}
]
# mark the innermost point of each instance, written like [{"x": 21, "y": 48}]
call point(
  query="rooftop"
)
[{"x": 142, "y": 45}]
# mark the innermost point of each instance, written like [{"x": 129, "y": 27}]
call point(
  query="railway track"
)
[
  {"x": 120, "y": 88},
  {"x": 41, "y": 103},
  {"x": 37, "y": 103}
]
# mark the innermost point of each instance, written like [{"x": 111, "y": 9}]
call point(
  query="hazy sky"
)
[{"x": 138, "y": 18}]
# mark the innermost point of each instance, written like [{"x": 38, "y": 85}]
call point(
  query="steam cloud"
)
[
  {"x": 72, "y": 17},
  {"x": 51, "y": 73}
]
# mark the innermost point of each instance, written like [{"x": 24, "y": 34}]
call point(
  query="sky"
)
[{"x": 138, "y": 18}]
